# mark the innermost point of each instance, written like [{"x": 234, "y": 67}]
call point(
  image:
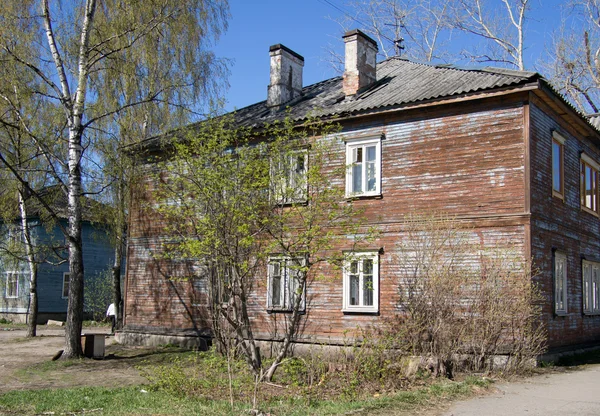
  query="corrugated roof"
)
[
  {"x": 594, "y": 120},
  {"x": 399, "y": 82}
]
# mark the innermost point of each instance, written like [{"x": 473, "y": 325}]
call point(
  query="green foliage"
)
[
  {"x": 203, "y": 374},
  {"x": 231, "y": 198},
  {"x": 98, "y": 294}
]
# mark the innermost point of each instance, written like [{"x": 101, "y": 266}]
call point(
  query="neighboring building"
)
[
  {"x": 498, "y": 149},
  {"x": 53, "y": 275}
]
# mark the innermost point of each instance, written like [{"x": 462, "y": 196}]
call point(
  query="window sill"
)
[
  {"x": 285, "y": 204},
  {"x": 558, "y": 195},
  {"x": 591, "y": 313},
  {"x": 589, "y": 211},
  {"x": 361, "y": 311},
  {"x": 285, "y": 311},
  {"x": 560, "y": 313},
  {"x": 350, "y": 198}
]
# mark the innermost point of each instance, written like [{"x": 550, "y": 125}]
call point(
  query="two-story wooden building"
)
[{"x": 498, "y": 149}]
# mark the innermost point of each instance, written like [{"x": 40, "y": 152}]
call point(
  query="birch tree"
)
[
  {"x": 489, "y": 31},
  {"x": 500, "y": 24},
  {"x": 97, "y": 60},
  {"x": 417, "y": 29},
  {"x": 573, "y": 63}
]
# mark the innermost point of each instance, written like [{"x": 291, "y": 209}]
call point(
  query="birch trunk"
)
[
  {"x": 76, "y": 271},
  {"x": 116, "y": 280},
  {"x": 33, "y": 298}
]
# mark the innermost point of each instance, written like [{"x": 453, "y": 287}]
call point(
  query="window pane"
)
[
  {"x": 371, "y": 179},
  {"x": 588, "y": 187},
  {"x": 556, "y": 167},
  {"x": 357, "y": 178},
  {"x": 368, "y": 291},
  {"x": 358, "y": 155},
  {"x": 595, "y": 291},
  {"x": 66, "y": 280},
  {"x": 276, "y": 291},
  {"x": 371, "y": 154},
  {"x": 354, "y": 290}
]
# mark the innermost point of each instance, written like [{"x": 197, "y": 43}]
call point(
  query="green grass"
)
[{"x": 141, "y": 400}]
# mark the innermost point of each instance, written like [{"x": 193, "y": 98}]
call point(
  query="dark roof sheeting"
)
[{"x": 399, "y": 82}]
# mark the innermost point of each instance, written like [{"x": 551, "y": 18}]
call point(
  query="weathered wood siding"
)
[
  {"x": 467, "y": 161},
  {"x": 562, "y": 225}
]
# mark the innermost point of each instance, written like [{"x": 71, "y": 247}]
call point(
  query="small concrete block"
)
[
  {"x": 54, "y": 323},
  {"x": 93, "y": 345}
]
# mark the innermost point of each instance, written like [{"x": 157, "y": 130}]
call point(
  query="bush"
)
[{"x": 460, "y": 299}]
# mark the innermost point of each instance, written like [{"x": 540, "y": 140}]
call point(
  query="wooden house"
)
[
  {"x": 50, "y": 252},
  {"x": 498, "y": 149}
]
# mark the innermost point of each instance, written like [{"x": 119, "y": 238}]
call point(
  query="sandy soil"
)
[{"x": 23, "y": 362}]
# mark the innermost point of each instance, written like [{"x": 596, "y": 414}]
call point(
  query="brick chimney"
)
[
  {"x": 286, "y": 75},
  {"x": 359, "y": 63}
]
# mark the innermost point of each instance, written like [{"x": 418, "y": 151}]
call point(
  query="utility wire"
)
[{"x": 395, "y": 42}]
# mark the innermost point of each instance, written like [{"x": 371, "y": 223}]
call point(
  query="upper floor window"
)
[
  {"x": 558, "y": 148},
  {"x": 65, "y": 286},
  {"x": 591, "y": 287},
  {"x": 361, "y": 283},
  {"x": 12, "y": 284},
  {"x": 589, "y": 184},
  {"x": 286, "y": 283},
  {"x": 363, "y": 161},
  {"x": 560, "y": 283},
  {"x": 289, "y": 177}
]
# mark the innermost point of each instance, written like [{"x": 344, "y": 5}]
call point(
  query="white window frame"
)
[
  {"x": 352, "y": 148},
  {"x": 560, "y": 284},
  {"x": 287, "y": 266},
  {"x": 360, "y": 258},
  {"x": 590, "y": 272},
  {"x": 289, "y": 184},
  {"x": 10, "y": 275},
  {"x": 66, "y": 275}
]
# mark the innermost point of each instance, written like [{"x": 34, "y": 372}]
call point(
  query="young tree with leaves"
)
[
  {"x": 96, "y": 61},
  {"x": 240, "y": 204}
]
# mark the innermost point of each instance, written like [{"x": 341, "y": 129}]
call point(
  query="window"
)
[
  {"x": 363, "y": 161},
  {"x": 12, "y": 284},
  {"x": 589, "y": 184},
  {"x": 289, "y": 179},
  {"x": 65, "y": 286},
  {"x": 558, "y": 146},
  {"x": 560, "y": 284},
  {"x": 285, "y": 277},
  {"x": 361, "y": 283},
  {"x": 591, "y": 288}
]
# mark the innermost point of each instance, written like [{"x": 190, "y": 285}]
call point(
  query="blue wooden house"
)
[{"x": 51, "y": 254}]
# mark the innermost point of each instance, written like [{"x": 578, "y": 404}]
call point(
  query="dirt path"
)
[{"x": 26, "y": 363}]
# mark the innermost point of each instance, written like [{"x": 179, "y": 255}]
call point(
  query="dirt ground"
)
[{"x": 24, "y": 362}]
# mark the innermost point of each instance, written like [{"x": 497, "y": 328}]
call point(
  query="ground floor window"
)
[
  {"x": 591, "y": 287},
  {"x": 560, "y": 283},
  {"x": 285, "y": 283},
  {"x": 65, "y": 286},
  {"x": 12, "y": 284},
  {"x": 361, "y": 282}
]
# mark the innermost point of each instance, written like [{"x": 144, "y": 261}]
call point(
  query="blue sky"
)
[
  {"x": 308, "y": 27},
  {"x": 302, "y": 26}
]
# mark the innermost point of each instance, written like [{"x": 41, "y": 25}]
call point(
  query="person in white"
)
[{"x": 110, "y": 314}]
